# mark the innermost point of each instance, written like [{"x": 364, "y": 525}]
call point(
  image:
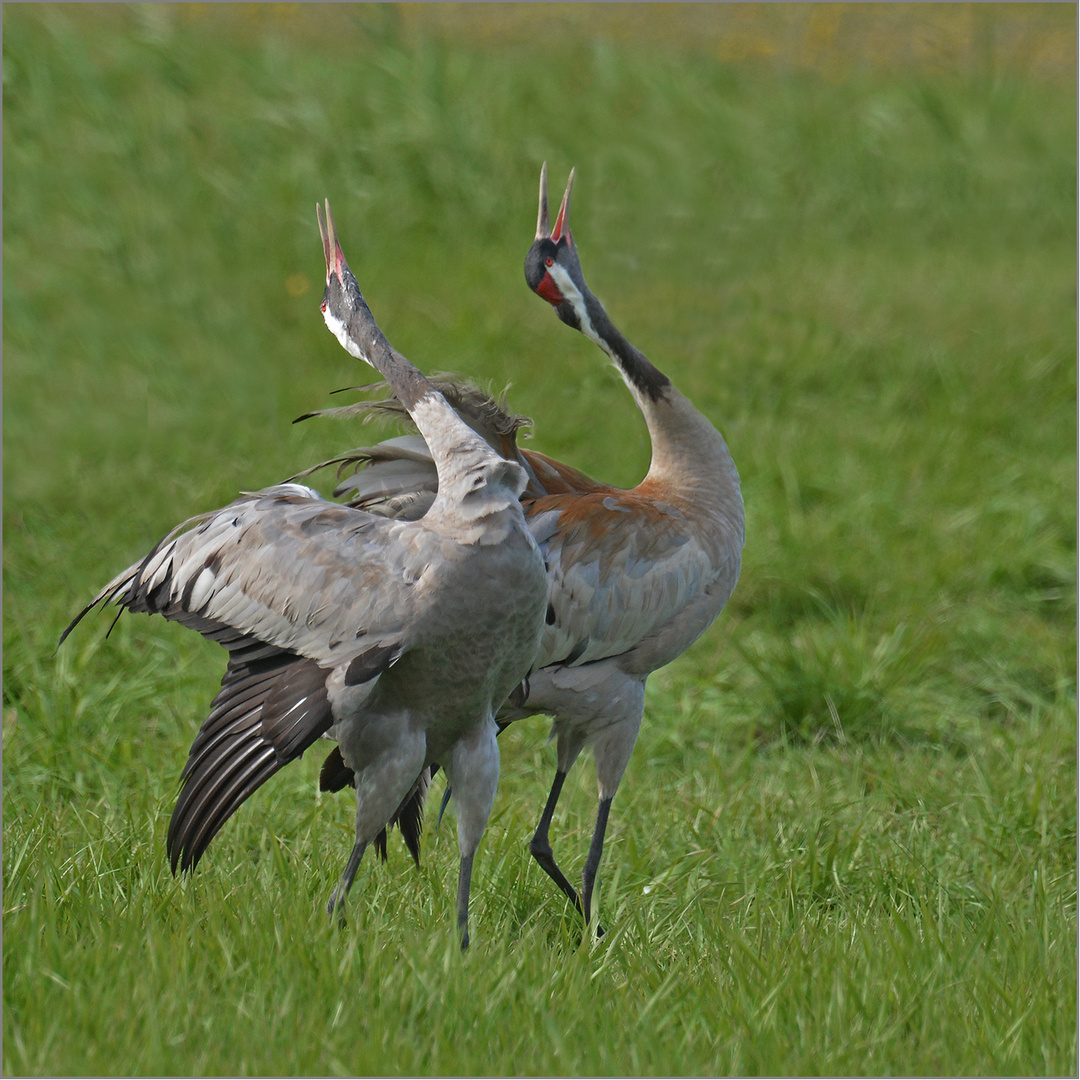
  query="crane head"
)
[
  {"x": 336, "y": 266},
  {"x": 552, "y": 269},
  {"x": 342, "y": 302}
]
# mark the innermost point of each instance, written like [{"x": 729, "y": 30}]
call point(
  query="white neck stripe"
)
[{"x": 338, "y": 328}]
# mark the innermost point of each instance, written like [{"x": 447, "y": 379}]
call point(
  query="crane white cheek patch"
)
[
  {"x": 564, "y": 283},
  {"x": 570, "y": 292},
  {"x": 339, "y": 330}
]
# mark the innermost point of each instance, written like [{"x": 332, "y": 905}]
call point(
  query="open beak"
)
[
  {"x": 543, "y": 228},
  {"x": 335, "y": 258},
  {"x": 562, "y": 227}
]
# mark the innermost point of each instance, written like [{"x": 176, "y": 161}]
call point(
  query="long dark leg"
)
[
  {"x": 540, "y": 845},
  {"x": 337, "y": 898},
  {"x": 592, "y": 862},
  {"x": 464, "y": 880}
]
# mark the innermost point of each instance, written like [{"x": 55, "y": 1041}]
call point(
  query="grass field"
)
[{"x": 846, "y": 843}]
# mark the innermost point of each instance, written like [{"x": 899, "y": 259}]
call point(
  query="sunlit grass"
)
[{"x": 846, "y": 841}]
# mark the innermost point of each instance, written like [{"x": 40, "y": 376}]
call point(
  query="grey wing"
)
[
  {"x": 624, "y": 576},
  {"x": 294, "y": 588},
  {"x": 395, "y": 478},
  {"x": 280, "y": 570},
  {"x": 267, "y": 713}
]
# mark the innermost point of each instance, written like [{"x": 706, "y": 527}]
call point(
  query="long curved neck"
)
[
  {"x": 689, "y": 456},
  {"x": 465, "y": 463},
  {"x": 644, "y": 378},
  {"x": 361, "y": 337}
]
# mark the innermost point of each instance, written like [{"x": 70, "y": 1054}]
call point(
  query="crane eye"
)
[
  {"x": 322, "y": 307},
  {"x": 549, "y": 261}
]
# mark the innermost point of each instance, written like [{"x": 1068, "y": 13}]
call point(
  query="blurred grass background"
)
[{"x": 846, "y": 842}]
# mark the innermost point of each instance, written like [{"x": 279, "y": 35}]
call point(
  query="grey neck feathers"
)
[{"x": 407, "y": 382}]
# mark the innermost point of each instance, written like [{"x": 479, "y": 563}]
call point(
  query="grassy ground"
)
[{"x": 846, "y": 842}]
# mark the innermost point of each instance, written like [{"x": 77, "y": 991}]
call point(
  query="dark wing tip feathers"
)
[
  {"x": 409, "y": 818},
  {"x": 267, "y": 713},
  {"x": 130, "y": 590},
  {"x": 410, "y": 815},
  {"x": 110, "y": 593}
]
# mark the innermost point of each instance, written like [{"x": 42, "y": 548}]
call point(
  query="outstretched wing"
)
[
  {"x": 297, "y": 589},
  {"x": 280, "y": 570}
]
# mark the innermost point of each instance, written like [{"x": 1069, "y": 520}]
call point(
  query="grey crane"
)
[
  {"x": 398, "y": 639},
  {"x": 635, "y": 576}
]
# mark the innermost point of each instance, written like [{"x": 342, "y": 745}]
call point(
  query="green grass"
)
[{"x": 846, "y": 842}]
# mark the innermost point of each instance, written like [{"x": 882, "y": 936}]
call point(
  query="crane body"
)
[{"x": 398, "y": 639}]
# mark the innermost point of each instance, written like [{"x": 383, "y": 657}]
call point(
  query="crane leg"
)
[
  {"x": 381, "y": 785},
  {"x": 540, "y": 849},
  {"x": 473, "y": 772},
  {"x": 592, "y": 861},
  {"x": 540, "y": 845},
  {"x": 337, "y": 898},
  {"x": 464, "y": 882}
]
